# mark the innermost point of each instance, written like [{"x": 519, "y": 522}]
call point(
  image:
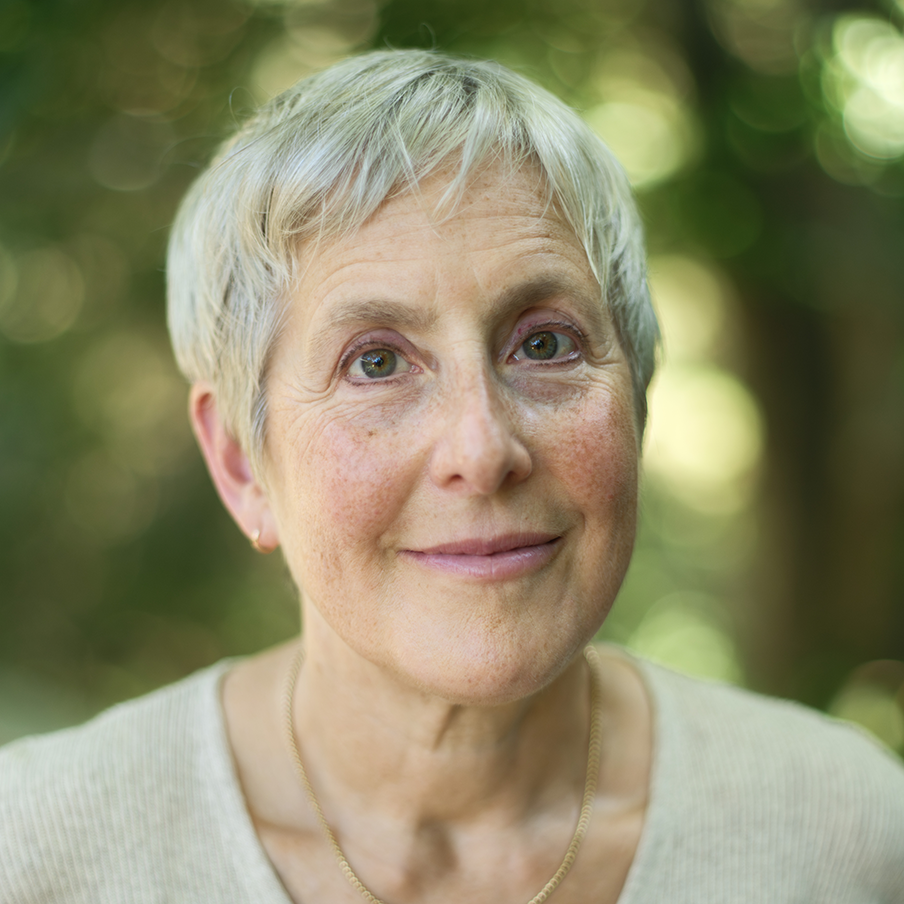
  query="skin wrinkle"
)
[
  {"x": 387, "y": 412},
  {"x": 379, "y": 415},
  {"x": 444, "y": 721},
  {"x": 409, "y": 752},
  {"x": 360, "y": 313}
]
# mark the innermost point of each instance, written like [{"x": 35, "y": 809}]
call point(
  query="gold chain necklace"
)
[{"x": 593, "y": 766}]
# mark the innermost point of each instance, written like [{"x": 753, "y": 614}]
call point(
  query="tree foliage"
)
[{"x": 765, "y": 139}]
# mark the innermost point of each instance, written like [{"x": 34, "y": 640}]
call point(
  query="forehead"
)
[
  {"x": 503, "y": 231},
  {"x": 438, "y": 208}
]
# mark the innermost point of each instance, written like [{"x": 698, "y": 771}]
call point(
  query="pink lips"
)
[{"x": 495, "y": 559}]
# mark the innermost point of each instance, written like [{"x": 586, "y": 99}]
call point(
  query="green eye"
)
[
  {"x": 380, "y": 362},
  {"x": 546, "y": 345},
  {"x": 377, "y": 364},
  {"x": 541, "y": 346}
]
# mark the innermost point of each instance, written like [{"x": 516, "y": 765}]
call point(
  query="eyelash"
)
[
  {"x": 370, "y": 345},
  {"x": 569, "y": 329}
]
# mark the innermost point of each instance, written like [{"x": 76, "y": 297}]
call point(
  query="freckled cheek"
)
[
  {"x": 595, "y": 455},
  {"x": 362, "y": 482}
]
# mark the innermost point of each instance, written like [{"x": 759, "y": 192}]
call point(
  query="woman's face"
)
[{"x": 451, "y": 447}]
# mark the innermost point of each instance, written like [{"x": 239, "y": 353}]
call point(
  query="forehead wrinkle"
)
[
  {"x": 376, "y": 312},
  {"x": 386, "y": 313}
]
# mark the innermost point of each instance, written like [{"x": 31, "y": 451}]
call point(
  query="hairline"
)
[{"x": 538, "y": 125}]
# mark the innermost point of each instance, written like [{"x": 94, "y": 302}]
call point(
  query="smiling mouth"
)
[{"x": 495, "y": 559}]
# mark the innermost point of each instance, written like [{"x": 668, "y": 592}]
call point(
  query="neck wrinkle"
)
[{"x": 373, "y": 746}]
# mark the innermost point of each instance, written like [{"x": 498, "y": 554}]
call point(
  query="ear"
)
[{"x": 244, "y": 497}]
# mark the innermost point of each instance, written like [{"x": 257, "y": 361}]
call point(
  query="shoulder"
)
[
  {"x": 82, "y": 807},
  {"x": 817, "y": 795},
  {"x": 718, "y": 718}
]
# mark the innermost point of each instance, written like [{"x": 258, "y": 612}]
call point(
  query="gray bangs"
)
[{"x": 320, "y": 159}]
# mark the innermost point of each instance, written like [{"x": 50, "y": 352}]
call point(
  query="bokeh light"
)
[
  {"x": 41, "y": 294},
  {"x": 644, "y": 116},
  {"x": 107, "y": 501},
  {"x": 873, "y": 698},
  {"x": 763, "y": 33},
  {"x": 692, "y": 302},
  {"x": 127, "y": 153},
  {"x": 140, "y": 413},
  {"x": 766, "y": 138},
  {"x": 315, "y": 36},
  {"x": 684, "y": 632},
  {"x": 705, "y": 436},
  {"x": 863, "y": 81}
]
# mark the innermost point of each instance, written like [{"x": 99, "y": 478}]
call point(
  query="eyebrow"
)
[
  {"x": 541, "y": 289},
  {"x": 419, "y": 318},
  {"x": 381, "y": 311}
]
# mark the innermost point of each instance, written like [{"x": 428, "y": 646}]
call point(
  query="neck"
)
[{"x": 377, "y": 748}]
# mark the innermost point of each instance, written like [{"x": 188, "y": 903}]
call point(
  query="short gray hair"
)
[{"x": 318, "y": 160}]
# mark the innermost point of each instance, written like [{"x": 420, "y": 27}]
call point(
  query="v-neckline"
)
[{"x": 265, "y": 882}]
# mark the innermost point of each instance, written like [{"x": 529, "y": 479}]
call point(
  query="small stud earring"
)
[{"x": 256, "y": 543}]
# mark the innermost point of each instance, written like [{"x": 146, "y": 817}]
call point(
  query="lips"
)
[
  {"x": 489, "y": 559},
  {"x": 488, "y": 547}
]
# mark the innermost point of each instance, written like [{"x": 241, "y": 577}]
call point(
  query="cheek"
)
[
  {"x": 596, "y": 457},
  {"x": 359, "y": 484}
]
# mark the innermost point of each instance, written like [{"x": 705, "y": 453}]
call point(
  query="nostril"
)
[{"x": 479, "y": 452}]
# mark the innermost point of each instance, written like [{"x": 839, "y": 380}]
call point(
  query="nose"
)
[{"x": 477, "y": 451}]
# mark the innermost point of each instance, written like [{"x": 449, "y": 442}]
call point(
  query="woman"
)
[{"x": 410, "y": 298}]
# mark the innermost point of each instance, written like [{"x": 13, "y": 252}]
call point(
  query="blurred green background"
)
[{"x": 765, "y": 139}]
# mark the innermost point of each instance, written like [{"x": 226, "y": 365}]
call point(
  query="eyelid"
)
[{"x": 551, "y": 323}]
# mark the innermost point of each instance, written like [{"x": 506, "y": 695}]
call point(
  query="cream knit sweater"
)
[{"x": 752, "y": 801}]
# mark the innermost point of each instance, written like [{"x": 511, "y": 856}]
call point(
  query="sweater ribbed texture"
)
[
  {"x": 757, "y": 800},
  {"x": 139, "y": 805},
  {"x": 752, "y": 800}
]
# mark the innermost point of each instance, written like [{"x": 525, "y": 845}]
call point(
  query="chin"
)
[{"x": 488, "y": 670}]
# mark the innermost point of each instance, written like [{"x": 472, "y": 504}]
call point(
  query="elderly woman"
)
[{"x": 410, "y": 297}]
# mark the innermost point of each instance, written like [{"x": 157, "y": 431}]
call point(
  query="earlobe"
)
[{"x": 230, "y": 469}]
